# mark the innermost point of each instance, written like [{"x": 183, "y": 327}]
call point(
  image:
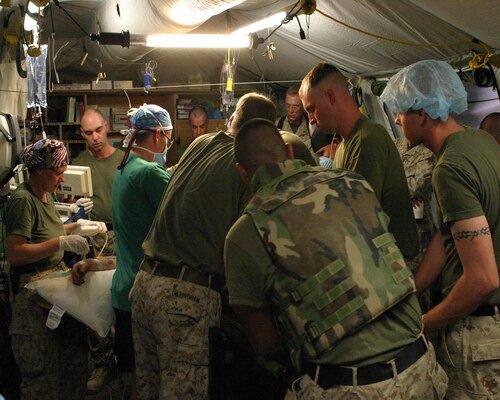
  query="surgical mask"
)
[
  {"x": 325, "y": 162},
  {"x": 160, "y": 158}
]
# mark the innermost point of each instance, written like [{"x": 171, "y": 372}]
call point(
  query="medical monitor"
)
[{"x": 77, "y": 181}]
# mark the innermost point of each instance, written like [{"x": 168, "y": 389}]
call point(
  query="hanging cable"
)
[
  {"x": 301, "y": 31},
  {"x": 459, "y": 43},
  {"x": 56, "y": 2},
  {"x": 480, "y": 59},
  {"x": 285, "y": 20}
]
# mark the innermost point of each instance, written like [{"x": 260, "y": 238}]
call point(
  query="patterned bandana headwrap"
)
[{"x": 46, "y": 153}]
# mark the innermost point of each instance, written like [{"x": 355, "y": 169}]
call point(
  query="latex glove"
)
[
  {"x": 89, "y": 228},
  {"x": 74, "y": 243},
  {"x": 86, "y": 203}
]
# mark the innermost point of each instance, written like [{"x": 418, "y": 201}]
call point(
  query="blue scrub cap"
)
[
  {"x": 149, "y": 116},
  {"x": 430, "y": 85}
]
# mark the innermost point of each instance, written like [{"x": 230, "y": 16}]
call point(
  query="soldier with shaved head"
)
[{"x": 366, "y": 148}]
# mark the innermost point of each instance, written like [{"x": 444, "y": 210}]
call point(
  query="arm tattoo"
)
[{"x": 471, "y": 234}]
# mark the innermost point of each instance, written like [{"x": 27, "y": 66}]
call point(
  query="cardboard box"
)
[
  {"x": 119, "y": 119},
  {"x": 105, "y": 111},
  {"x": 71, "y": 86},
  {"x": 101, "y": 85},
  {"x": 123, "y": 85}
]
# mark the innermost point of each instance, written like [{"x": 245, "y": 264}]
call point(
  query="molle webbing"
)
[{"x": 337, "y": 266}]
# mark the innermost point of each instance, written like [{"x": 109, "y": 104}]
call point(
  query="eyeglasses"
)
[
  {"x": 170, "y": 139},
  {"x": 294, "y": 107}
]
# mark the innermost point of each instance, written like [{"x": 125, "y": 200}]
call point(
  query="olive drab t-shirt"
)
[
  {"x": 370, "y": 151},
  {"x": 204, "y": 197},
  {"x": 466, "y": 181},
  {"x": 103, "y": 172},
  {"x": 30, "y": 217}
]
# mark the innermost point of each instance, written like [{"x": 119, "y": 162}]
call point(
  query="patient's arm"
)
[{"x": 80, "y": 268}]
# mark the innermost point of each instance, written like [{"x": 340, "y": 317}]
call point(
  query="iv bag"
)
[{"x": 36, "y": 69}]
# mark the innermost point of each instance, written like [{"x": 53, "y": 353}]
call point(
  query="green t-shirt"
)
[
  {"x": 30, "y": 217},
  {"x": 369, "y": 151},
  {"x": 137, "y": 190},
  {"x": 205, "y": 196},
  {"x": 103, "y": 172},
  {"x": 466, "y": 181},
  {"x": 250, "y": 276}
]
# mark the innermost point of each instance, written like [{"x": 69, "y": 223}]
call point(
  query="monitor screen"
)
[{"x": 77, "y": 181}]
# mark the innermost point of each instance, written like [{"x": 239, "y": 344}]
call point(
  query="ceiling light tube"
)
[
  {"x": 268, "y": 22},
  {"x": 207, "y": 41},
  {"x": 188, "y": 40}
]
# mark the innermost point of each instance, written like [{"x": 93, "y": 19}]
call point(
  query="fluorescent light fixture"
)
[
  {"x": 268, "y": 22},
  {"x": 183, "y": 41},
  {"x": 210, "y": 41}
]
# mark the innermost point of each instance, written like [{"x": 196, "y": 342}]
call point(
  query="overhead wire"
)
[
  {"x": 73, "y": 19},
  {"x": 287, "y": 19},
  {"x": 481, "y": 59},
  {"x": 405, "y": 42}
]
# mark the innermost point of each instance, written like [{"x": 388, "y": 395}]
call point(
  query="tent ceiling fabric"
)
[{"x": 420, "y": 21}]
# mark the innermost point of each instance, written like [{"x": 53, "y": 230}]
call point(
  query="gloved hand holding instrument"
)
[
  {"x": 88, "y": 228},
  {"x": 86, "y": 203}
]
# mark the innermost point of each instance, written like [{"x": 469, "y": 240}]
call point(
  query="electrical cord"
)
[
  {"x": 301, "y": 31},
  {"x": 287, "y": 19},
  {"x": 459, "y": 43},
  {"x": 56, "y": 2},
  {"x": 480, "y": 59}
]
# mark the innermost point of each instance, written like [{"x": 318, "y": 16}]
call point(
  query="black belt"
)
[
  {"x": 183, "y": 273},
  {"x": 484, "y": 311},
  {"x": 330, "y": 375}
]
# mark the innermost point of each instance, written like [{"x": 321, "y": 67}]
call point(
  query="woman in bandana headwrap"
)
[{"x": 53, "y": 363}]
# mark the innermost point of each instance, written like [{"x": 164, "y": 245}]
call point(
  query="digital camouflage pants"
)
[
  {"x": 423, "y": 380},
  {"x": 470, "y": 354},
  {"x": 101, "y": 348},
  {"x": 104, "y": 244},
  {"x": 170, "y": 325},
  {"x": 53, "y": 363}
]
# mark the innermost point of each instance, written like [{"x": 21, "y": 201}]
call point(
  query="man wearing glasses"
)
[{"x": 295, "y": 120}]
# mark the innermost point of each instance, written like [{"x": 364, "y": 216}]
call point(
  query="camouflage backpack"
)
[{"x": 338, "y": 267}]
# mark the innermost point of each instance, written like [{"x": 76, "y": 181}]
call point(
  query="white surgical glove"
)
[
  {"x": 89, "y": 228},
  {"x": 74, "y": 243},
  {"x": 86, "y": 203}
]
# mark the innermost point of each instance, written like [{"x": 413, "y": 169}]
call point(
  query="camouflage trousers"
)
[
  {"x": 53, "y": 363},
  {"x": 469, "y": 352},
  {"x": 170, "y": 325},
  {"x": 104, "y": 242},
  {"x": 101, "y": 349},
  {"x": 425, "y": 379}
]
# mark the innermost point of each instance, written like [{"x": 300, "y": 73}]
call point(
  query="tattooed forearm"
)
[{"x": 471, "y": 234}]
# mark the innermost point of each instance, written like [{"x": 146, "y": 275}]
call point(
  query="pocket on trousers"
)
[
  {"x": 486, "y": 350},
  {"x": 29, "y": 352},
  {"x": 189, "y": 329}
]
